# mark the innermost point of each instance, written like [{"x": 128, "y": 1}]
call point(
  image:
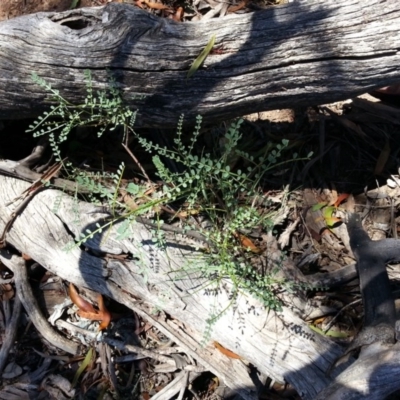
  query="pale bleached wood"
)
[
  {"x": 25, "y": 294},
  {"x": 374, "y": 376},
  {"x": 280, "y": 345},
  {"x": 302, "y": 53}
]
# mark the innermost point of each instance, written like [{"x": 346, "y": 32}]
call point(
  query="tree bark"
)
[
  {"x": 279, "y": 344},
  {"x": 302, "y": 53}
]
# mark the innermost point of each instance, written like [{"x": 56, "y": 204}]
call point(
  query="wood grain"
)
[
  {"x": 279, "y": 344},
  {"x": 303, "y": 53}
]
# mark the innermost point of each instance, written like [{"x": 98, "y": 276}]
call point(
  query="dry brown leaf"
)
[
  {"x": 248, "y": 243},
  {"x": 86, "y": 309},
  {"x": 79, "y": 301},
  {"x": 105, "y": 314},
  {"x": 340, "y": 199},
  {"x": 237, "y": 7},
  {"x": 129, "y": 201},
  {"x": 227, "y": 352},
  {"x": 155, "y": 6},
  {"x": 178, "y": 15}
]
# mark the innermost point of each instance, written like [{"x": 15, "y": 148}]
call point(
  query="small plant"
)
[
  {"x": 226, "y": 197},
  {"x": 103, "y": 109}
]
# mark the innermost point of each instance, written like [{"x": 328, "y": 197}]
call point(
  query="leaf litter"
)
[{"x": 356, "y": 155}]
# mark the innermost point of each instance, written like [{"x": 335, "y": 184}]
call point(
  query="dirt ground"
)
[{"x": 14, "y": 8}]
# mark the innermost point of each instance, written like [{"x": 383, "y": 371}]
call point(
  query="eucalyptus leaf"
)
[
  {"x": 202, "y": 56},
  {"x": 83, "y": 366},
  {"x": 74, "y": 4}
]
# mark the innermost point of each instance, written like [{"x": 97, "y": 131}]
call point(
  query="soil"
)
[{"x": 14, "y": 8}]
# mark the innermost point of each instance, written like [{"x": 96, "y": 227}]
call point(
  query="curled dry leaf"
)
[
  {"x": 155, "y": 6},
  {"x": 86, "y": 310},
  {"x": 79, "y": 301},
  {"x": 248, "y": 243},
  {"x": 178, "y": 14},
  {"x": 225, "y": 351},
  {"x": 130, "y": 201},
  {"x": 237, "y": 7},
  {"x": 340, "y": 199},
  {"x": 139, "y": 4},
  {"x": 105, "y": 314}
]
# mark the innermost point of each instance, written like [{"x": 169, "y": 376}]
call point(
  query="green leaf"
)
[
  {"x": 330, "y": 333},
  {"x": 83, "y": 366},
  {"x": 332, "y": 221},
  {"x": 74, "y": 4},
  {"x": 202, "y": 56},
  {"x": 132, "y": 188},
  {"x": 318, "y": 206},
  {"x": 328, "y": 212}
]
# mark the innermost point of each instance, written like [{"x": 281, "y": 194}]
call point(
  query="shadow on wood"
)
[{"x": 302, "y": 53}]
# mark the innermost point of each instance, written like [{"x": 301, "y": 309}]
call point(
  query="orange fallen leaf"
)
[
  {"x": 178, "y": 14},
  {"x": 105, "y": 314},
  {"x": 86, "y": 309},
  {"x": 94, "y": 316},
  {"x": 237, "y": 7},
  {"x": 79, "y": 301},
  {"x": 340, "y": 199},
  {"x": 139, "y": 4},
  {"x": 155, "y": 6},
  {"x": 248, "y": 243},
  {"x": 225, "y": 351}
]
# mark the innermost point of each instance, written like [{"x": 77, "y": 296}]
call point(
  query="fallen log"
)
[
  {"x": 279, "y": 344},
  {"x": 303, "y": 53},
  {"x": 375, "y": 373},
  {"x": 373, "y": 376}
]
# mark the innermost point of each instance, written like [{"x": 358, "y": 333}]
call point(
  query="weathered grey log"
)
[
  {"x": 280, "y": 344},
  {"x": 378, "y": 301},
  {"x": 302, "y": 53},
  {"x": 376, "y": 372},
  {"x": 373, "y": 376}
]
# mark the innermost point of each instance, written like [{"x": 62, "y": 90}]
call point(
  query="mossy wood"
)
[
  {"x": 279, "y": 344},
  {"x": 303, "y": 53}
]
